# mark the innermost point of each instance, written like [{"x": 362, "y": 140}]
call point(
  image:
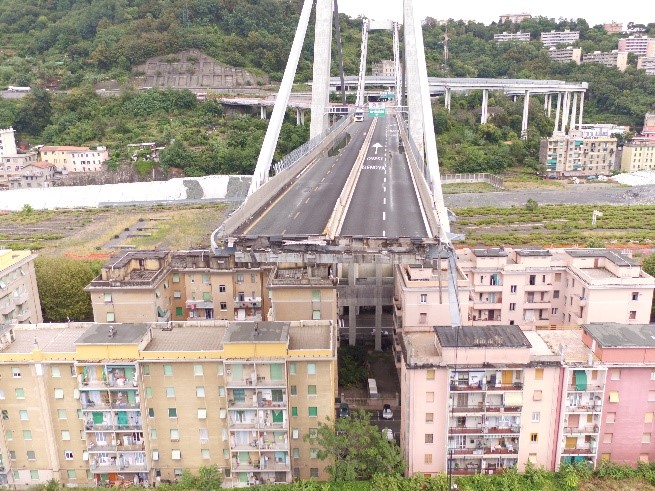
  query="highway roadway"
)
[
  {"x": 384, "y": 202},
  {"x": 305, "y": 207}
]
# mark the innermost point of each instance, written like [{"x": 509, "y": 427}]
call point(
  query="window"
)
[
  {"x": 429, "y": 397},
  {"x": 151, "y": 412},
  {"x": 427, "y": 458},
  {"x": 534, "y": 437},
  {"x": 429, "y": 417},
  {"x": 555, "y": 292},
  {"x": 239, "y": 277},
  {"x": 294, "y": 411},
  {"x": 313, "y": 433},
  {"x": 179, "y": 311},
  {"x": 148, "y": 392},
  {"x": 12, "y": 454},
  {"x": 220, "y": 369},
  {"x": 202, "y": 413},
  {"x": 65, "y": 435},
  {"x": 175, "y": 435},
  {"x": 537, "y": 395},
  {"x": 424, "y": 298},
  {"x": 197, "y": 370},
  {"x": 223, "y": 305},
  {"x": 632, "y": 315},
  {"x": 5, "y": 414},
  {"x": 292, "y": 368},
  {"x": 512, "y": 306},
  {"x": 200, "y": 392},
  {"x": 611, "y": 417},
  {"x": 316, "y": 315},
  {"x": 68, "y": 454},
  {"x": 614, "y": 395},
  {"x": 651, "y": 396},
  {"x": 15, "y": 372},
  {"x": 615, "y": 374},
  {"x": 221, "y": 288},
  {"x": 648, "y": 417},
  {"x": 72, "y": 474},
  {"x": 168, "y": 369},
  {"x": 55, "y": 372},
  {"x": 607, "y": 437},
  {"x": 222, "y": 413},
  {"x": 312, "y": 411},
  {"x": 313, "y": 453},
  {"x": 172, "y": 412},
  {"x": 311, "y": 368},
  {"x": 311, "y": 390},
  {"x": 423, "y": 318},
  {"x": 59, "y": 393},
  {"x": 294, "y": 390},
  {"x": 295, "y": 433},
  {"x": 635, "y": 295},
  {"x": 512, "y": 289},
  {"x": 27, "y": 434},
  {"x": 652, "y": 374},
  {"x": 20, "y": 393},
  {"x": 204, "y": 453},
  {"x": 34, "y": 474},
  {"x": 645, "y": 438},
  {"x": 313, "y": 472},
  {"x": 429, "y": 374},
  {"x": 170, "y": 392},
  {"x": 153, "y": 433},
  {"x": 111, "y": 317},
  {"x": 23, "y": 415},
  {"x": 553, "y": 311},
  {"x": 221, "y": 391},
  {"x": 296, "y": 453},
  {"x": 176, "y": 277},
  {"x": 176, "y": 455},
  {"x": 205, "y": 278},
  {"x": 61, "y": 414},
  {"x": 429, "y": 438},
  {"x": 539, "y": 374},
  {"x": 536, "y": 416},
  {"x": 207, "y": 296},
  {"x": 31, "y": 455}
]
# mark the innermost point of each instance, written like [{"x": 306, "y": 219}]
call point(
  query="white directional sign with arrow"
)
[{"x": 376, "y": 146}]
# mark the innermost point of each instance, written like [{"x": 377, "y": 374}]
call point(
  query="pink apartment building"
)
[{"x": 628, "y": 352}]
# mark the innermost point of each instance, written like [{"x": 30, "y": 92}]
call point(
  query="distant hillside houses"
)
[{"x": 74, "y": 159}]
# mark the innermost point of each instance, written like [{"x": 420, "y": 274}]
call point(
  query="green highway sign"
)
[{"x": 376, "y": 109}]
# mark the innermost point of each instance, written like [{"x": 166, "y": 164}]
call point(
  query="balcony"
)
[
  {"x": 458, "y": 387},
  {"x": 582, "y": 430},
  {"x": 20, "y": 299},
  {"x": 588, "y": 388},
  {"x": 247, "y": 302},
  {"x": 199, "y": 304},
  {"x": 490, "y": 430},
  {"x": 106, "y": 465},
  {"x": 265, "y": 445},
  {"x": 23, "y": 316},
  {"x": 250, "y": 404},
  {"x": 580, "y": 450},
  {"x": 487, "y": 450},
  {"x": 7, "y": 308}
]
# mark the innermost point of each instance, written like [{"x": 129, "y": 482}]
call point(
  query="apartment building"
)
[
  {"x": 75, "y": 159},
  {"x": 628, "y": 352},
  {"x": 614, "y": 58},
  {"x": 564, "y": 55},
  {"x": 19, "y": 295},
  {"x": 34, "y": 175},
  {"x": 384, "y": 68},
  {"x": 159, "y": 286},
  {"x": 638, "y": 155},
  {"x": 613, "y": 27},
  {"x": 11, "y": 161},
  {"x": 641, "y": 45},
  {"x": 590, "y": 130},
  {"x": 120, "y": 404},
  {"x": 646, "y": 63},
  {"x": 477, "y": 400},
  {"x": 575, "y": 155},
  {"x": 514, "y": 18},
  {"x": 553, "y": 38},
  {"x": 512, "y": 36}
]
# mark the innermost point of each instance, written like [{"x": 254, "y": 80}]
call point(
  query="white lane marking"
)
[
  {"x": 385, "y": 179},
  {"x": 384, "y": 201},
  {"x": 384, "y": 233},
  {"x": 384, "y": 189},
  {"x": 384, "y": 215}
]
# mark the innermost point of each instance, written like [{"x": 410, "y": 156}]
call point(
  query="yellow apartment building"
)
[
  {"x": 88, "y": 403},
  {"x": 19, "y": 296},
  {"x": 638, "y": 155}
]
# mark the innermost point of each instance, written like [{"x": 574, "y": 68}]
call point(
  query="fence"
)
[
  {"x": 293, "y": 157},
  {"x": 491, "y": 179}
]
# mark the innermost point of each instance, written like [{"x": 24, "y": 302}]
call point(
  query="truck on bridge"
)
[{"x": 13, "y": 88}]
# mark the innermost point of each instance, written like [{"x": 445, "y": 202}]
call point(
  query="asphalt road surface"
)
[
  {"x": 306, "y": 206},
  {"x": 384, "y": 202}
]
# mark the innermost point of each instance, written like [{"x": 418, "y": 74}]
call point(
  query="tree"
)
[
  {"x": 649, "y": 265},
  {"x": 208, "y": 479},
  {"x": 61, "y": 283},
  {"x": 356, "y": 449}
]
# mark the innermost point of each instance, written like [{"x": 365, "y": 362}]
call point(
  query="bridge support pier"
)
[
  {"x": 322, "y": 62},
  {"x": 485, "y": 106},
  {"x": 574, "y": 108},
  {"x": 581, "y": 110},
  {"x": 549, "y": 98},
  {"x": 524, "y": 121},
  {"x": 262, "y": 112},
  {"x": 447, "y": 99},
  {"x": 300, "y": 117},
  {"x": 559, "y": 105},
  {"x": 566, "y": 112}
]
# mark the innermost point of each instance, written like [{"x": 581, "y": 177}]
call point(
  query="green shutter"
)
[
  {"x": 580, "y": 380},
  {"x": 277, "y": 371},
  {"x": 97, "y": 418},
  {"x": 122, "y": 418},
  {"x": 278, "y": 416}
]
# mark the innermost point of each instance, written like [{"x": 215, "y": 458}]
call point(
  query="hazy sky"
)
[{"x": 486, "y": 11}]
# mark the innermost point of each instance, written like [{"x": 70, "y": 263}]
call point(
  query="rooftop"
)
[
  {"x": 569, "y": 342},
  {"x": 49, "y": 338},
  {"x": 611, "y": 335},
  {"x": 489, "y": 252},
  {"x": 618, "y": 259},
  {"x": 533, "y": 251},
  {"x": 257, "y": 332},
  {"x": 191, "y": 338},
  {"x": 482, "y": 337},
  {"x": 310, "y": 337},
  {"x": 124, "y": 259},
  {"x": 9, "y": 258},
  {"x": 113, "y": 334}
]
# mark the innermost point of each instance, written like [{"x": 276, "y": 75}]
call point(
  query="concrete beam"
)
[
  {"x": 322, "y": 63},
  {"x": 416, "y": 130}
]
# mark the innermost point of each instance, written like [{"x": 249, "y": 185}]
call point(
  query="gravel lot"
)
[{"x": 583, "y": 194}]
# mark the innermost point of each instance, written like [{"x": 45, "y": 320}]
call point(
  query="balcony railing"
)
[
  {"x": 461, "y": 386},
  {"x": 231, "y": 404},
  {"x": 247, "y": 302},
  {"x": 480, "y": 408},
  {"x": 90, "y": 426},
  {"x": 584, "y": 450},
  {"x": 261, "y": 465},
  {"x": 496, "y": 450},
  {"x": 246, "y": 447},
  {"x": 586, "y": 408},
  {"x": 491, "y": 430},
  {"x": 588, "y": 388},
  {"x": 575, "y": 430},
  {"x": 256, "y": 424}
]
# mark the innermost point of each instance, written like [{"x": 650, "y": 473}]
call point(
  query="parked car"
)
[
  {"x": 344, "y": 410},
  {"x": 387, "y": 413}
]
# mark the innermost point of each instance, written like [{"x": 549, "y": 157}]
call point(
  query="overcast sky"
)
[{"x": 487, "y": 11}]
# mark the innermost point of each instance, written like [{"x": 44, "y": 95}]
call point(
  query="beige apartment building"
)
[
  {"x": 384, "y": 68},
  {"x": 75, "y": 159},
  {"x": 19, "y": 295},
  {"x": 564, "y": 55},
  {"x": 11, "y": 161},
  {"x": 574, "y": 155},
  {"x": 514, "y": 18},
  {"x": 119, "y": 404},
  {"x": 614, "y": 58},
  {"x": 647, "y": 63},
  {"x": 553, "y": 38},
  {"x": 523, "y": 37},
  {"x": 641, "y": 45},
  {"x": 613, "y": 27},
  {"x": 638, "y": 155}
]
